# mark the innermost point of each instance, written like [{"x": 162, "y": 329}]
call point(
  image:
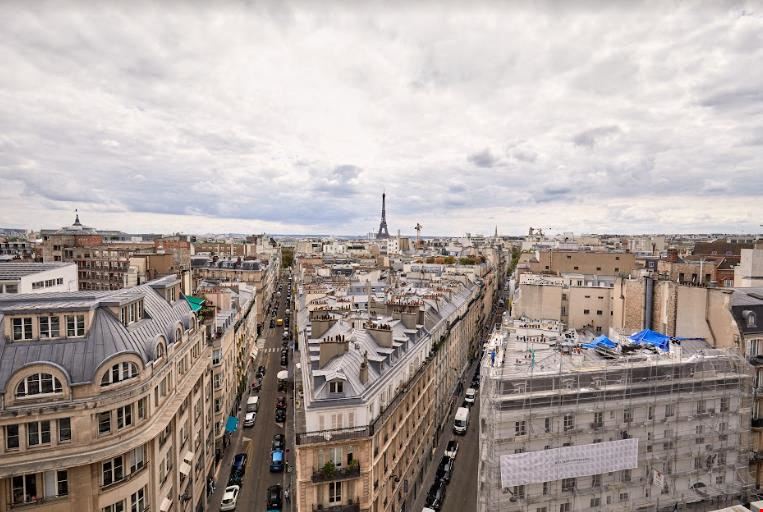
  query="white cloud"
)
[{"x": 293, "y": 118}]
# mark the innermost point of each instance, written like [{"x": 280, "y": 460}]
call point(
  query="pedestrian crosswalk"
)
[{"x": 270, "y": 350}]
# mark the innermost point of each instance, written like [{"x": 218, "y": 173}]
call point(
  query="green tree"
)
[{"x": 287, "y": 257}]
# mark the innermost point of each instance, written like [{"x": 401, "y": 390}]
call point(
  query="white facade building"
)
[{"x": 38, "y": 277}]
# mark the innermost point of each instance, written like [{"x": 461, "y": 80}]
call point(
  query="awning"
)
[
  {"x": 282, "y": 375},
  {"x": 195, "y": 303},
  {"x": 185, "y": 468},
  {"x": 232, "y": 424},
  {"x": 166, "y": 505},
  {"x": 188, "y": 457}
]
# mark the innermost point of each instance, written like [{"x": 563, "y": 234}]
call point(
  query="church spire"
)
[{"x": 76, "y": 218}]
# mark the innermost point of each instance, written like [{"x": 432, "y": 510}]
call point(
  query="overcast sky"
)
[{"x": 262, "y": 117}]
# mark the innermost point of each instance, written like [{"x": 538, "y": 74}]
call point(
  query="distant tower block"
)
[{"x": 383, "y": 232}]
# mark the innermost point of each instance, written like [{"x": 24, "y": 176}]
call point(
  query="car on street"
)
[
  {"x": 236, "y": 478},
  {"x": 445, "y": 469},
  {"x": 470, "y": 396},
  {"x": 261, "y": 371},
  {"x": 275, "y": 502},
  {"x": 452, "y": 449},
  {"x": 436, "y": 496},
  {"x": 230, "y": 498},
  {"x": 281, "y": 403},
  {"x": 285, "y": 335},
  {"x": 272, "y": 323},
  {"x": 249, "y": 419},
  {"x": 276, "y": 461},
  {"x": 281, "y": 385},
  {"x": 239, "y": 463},
  {"x": 476, "y": 383},
  {"x": 280, "y": 416},
  {"x": 279, "y": 442},
  {"x": 284, "y": 360}
]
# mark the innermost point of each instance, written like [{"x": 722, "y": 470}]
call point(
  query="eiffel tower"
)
[{"x": 383, "y": 233}]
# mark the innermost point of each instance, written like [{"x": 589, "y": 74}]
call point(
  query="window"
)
[
  {"x": 335, "y": 492},
  {"x": 138, "y": 501},
  {"x": 38, "y": 433},
  {"x": 520, "y": 428},
  {"x": 64, "y": 430},
  {"x": 599, "y": 312},
  {"x": 596, "y": 481},
  {"x": 24, "y": 489},
  {"x": 568, "y": 484},
  {"x": 724, "y": 404},
  {"x": 104, "y": 422},
  {"x": 564, "y": 507},
  {"x": 720, "y": 479},
  {"x": 22, "y": 328},
  {"x": 75, "y": 325},
  {"x": 159, "y": 350},
  {"x": 569, "y": 422},
  {"x": 623, "y": 496},
  {"x": 627, "y": 415},
  {"x": 519, "y": 491},
  {"x": 124, "y": 416},
  {"x": 586, "y": 311},
  {"x": 62, "y": 483},
  {"x": 701, "y": 407},
  {"x": 545, "y": 488},
  {"x": 11, "y": 437},
  {"x": 336, "y": 386},
  {"x": 625, "y": 475},
  {"x": 113, "y": 471},
  {"x": 595, "y": 502},
  {"x": 697, "y": 462},
  {"x": 137, "y": 459},
  {"x": 598, "y": 419},
  {"x": 217, "y": 356},
  {"x": 142, "y": 408},
  {"x": 119, "y": 506},
  {"x": 650, "y": 412},
  {"x": 547, "y": 425},
  {"x": 669, "y": 411},
  {"x": 49, "y": 327},
  {"x": 119, "y": 372},
  {"x": 38, "y": 384},
  {"x": 576, "y": 268}
]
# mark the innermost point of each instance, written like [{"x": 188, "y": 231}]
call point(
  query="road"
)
[{"x": 256, "y": 440}]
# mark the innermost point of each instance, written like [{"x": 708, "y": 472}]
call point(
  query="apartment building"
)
[
  {"x": 582, "y": 262},
  {"x": 611, "y": 425},
  {"x": 106, "y": 402},
  {"x": 261, "y": 274},
  {"x": 16, "y": 277},
  {"x": 749, "y": 272},
  {"x": 376, "y": 382}
]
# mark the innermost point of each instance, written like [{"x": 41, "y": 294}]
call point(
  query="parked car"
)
[
  {"x": 236, "y": 478},
  {"x": 436, "y": 496},
  {"x": 284, "y": 360},
  {"x": 445, "y": 469},
  {"x": 274, "y": 498},
  {"x": 279, "y": 442},
  {"x": 476, "y": 383},
  {"x": 285, "y": 335},
  {"x": 239, "y": 462},
  {"x": 281, "y": 385},
  {"x": 261, "y": 371},
  {"x": 249, "y": 419},
  {"x": 276, "y": 461},
  {"x": 272, "y": 323},
  {"x": 452, "y": 449},
  {"x": 230, "y": 498},
  {"x": 470, "y": 396},
  {"x": 281, "y": 402},
  {"x": 280, "y": 416}
]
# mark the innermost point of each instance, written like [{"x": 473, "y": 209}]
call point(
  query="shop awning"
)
[
  {"x": 195, "y": 303},
  {"x": 232, "y": 424},
  {"x": 185, "y": 468},
  {"x": 188, "y": 457},
  {"x": 166, "y": 505}
]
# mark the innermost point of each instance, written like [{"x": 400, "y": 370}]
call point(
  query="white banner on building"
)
[
  {"x": 568, "y": 462},
  {"x": 658, "y": 479}
]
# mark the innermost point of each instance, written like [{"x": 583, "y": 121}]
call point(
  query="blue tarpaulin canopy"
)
[
  {"x": 649, "y": 337},
  {"x": 232, "y": 424},
  {"x": 601, "y": 341}
]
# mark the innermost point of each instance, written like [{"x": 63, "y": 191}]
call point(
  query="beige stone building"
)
[
  {"x": 376, "y": 384},
  {"x": 582, "y": 262},
  {"x": 106, "y": 402}
]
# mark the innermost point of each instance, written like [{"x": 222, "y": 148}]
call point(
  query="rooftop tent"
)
[
  {"x": 649, "y": 337},
  {"x": 195, "y": 303},
  {"x": 600, "y": 342}
]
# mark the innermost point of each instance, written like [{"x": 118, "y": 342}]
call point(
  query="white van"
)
[
  {"x": 461, "y": 423},
  {"x": 470, "y": 396},
  {"x": 252, "y": 404}
]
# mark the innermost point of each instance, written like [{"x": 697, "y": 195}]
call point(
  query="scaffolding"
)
[{"x": 689, "y": 408}]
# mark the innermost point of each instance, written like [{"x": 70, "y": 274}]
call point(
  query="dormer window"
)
[
  {"x": 336, "y": 386},
  {"x": 119, "y": 372},
  {"x": 750, "y": 318},
  {"x": 160, "y": 350},
  {"x": 49, "y": 327},
  {"x": 38, "y": 384},
  {"x": 132, "y": 312},
  {"x": 22, "y": 328},
  {"x": 75, "y": 326}
]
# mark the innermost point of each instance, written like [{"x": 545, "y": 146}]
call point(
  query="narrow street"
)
[{"x": 256, "y": 441}]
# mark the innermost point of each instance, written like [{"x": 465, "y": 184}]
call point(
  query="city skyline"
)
[{"x": 289, "y": 119}]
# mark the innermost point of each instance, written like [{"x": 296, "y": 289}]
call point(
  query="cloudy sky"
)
[{"x": 267, "y": 117}]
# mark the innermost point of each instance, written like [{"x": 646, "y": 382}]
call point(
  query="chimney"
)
[
  {"x": 321, "y": 322},
  {"x": 330, "y": 348},
  {"x": 410, "y": 318},
  {"x": 672, "y": 255},
  {"x": 364, "y": 369},
  {"x": 381, "y": 333}
]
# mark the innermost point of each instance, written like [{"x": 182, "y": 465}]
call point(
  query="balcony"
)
[
  {"x": 757, "y": 423},
  {"x": 350, "y": 507},
  {"x": 329, "y": 473}
]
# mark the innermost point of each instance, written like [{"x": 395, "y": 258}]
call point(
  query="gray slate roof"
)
[
  {"x": 13, "y": 270},
  {"x": 80, "y": 358}
]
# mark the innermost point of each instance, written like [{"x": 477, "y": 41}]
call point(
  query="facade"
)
[
  {"x": 583, "y": 262},
  {"x": 17, "y": 248},
  {"x": 378, "y": 371},
  {"x": 565, "y": 428},
  {"x": 750, "y": 269},
  {"x": 18, "y": 277},
  {"x": 106, "y": 402}
]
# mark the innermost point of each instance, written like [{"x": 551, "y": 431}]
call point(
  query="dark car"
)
[
  {"x": 281, "y": 403},
  {"x": 280, "y": 416},
  {"x": 236, "y": 478},
  {"x": 445, "y": 469},
  {"x": 239, "y": 463},
  {"x": 279, "y": 442},
  {"x": 436, "y": 496},
  {"x": 281, "y": 385},
  {"x": 284, "y": 360},
  {"x": 274, "y": 498},
  {"x": 272, "y": 323},
  {"x": 261, "y": 371},
  {"x": 475, "y": 384},
  {"x": 276, "y": 461}
]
